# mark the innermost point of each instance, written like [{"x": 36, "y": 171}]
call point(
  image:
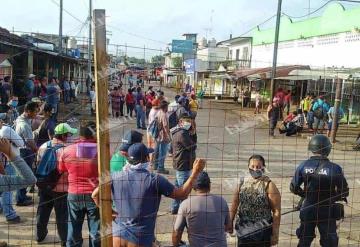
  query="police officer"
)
[{"x": 324, "y": 184}]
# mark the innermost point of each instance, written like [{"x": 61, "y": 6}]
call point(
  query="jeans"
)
[
  {"x": 29, "y": 158},
  {"x": 80, "y": 205},
  {"x": 66, "y": 96},
  {"x": 310, "y": 119},
  {"x": 6, "y": 197},
  {"x": 140, "y": 117},
  {"x": 318, "y": 124},
  {"x": 180, "y": 179},
  {"x": 47, "y": 201},
  {"x": 272, "y": 126},
  {"x": 130, "y": 109},
  {"x": 161, "y": 150},
  {"x": 312, "y": 217}
]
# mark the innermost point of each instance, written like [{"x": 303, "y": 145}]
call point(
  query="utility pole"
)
[
  {"x": 336, "y": 109},
  {"x": 89, "y": 43},
  {"x": 276, "y": 44},
  {"x": 102, "y": 128},
  {"x": 60, "y": 26}
]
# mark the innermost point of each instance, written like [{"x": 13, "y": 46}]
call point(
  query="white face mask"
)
[{"x": 186, "y": 125}]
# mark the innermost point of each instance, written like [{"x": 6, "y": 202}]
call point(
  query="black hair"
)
[
  {"x": 88, "y": 130},
  {"x": 130, "y": 90},
  {"x": 163, "y": 105},
  {"x": 48, "y": 108},
  {"x": 138, "y": 89},
  {"x": 115, "y": 88},
  {"x": 61, "y": 137},
  {"x": 295, "y": 112},
  {"x": 153, "y": 93},
  {"x": 31, "y": 106},
  {"x": 257, "y": 157},
  {"x": 299, "y": 111},
  {"x": 7, "y": 78}
]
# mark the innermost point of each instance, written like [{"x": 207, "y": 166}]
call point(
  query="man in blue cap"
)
[
  {"x": 118, "y": 160},
  {"x": 198, "y": 209},
  {"x": 136, "y": 193}
]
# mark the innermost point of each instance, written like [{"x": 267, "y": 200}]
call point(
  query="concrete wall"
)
[{"x": 338, "y": 50}]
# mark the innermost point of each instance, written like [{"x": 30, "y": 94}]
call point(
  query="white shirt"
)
[{"x": 10, "y": 134}]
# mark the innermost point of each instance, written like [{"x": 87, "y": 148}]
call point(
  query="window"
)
[{"x": 237, "y": 54}]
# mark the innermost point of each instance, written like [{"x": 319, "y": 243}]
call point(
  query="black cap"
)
[
  {"x": 138, "y": 153},
  {"x": 130, "y": 138}
]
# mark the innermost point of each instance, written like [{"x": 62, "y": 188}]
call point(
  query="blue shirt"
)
[
  {"x": 139, "y": 96},
  {"x": 331, "y": 113},
  {"x": 66, "y": 85},
  {"x": 324, "y": 105},
  {"x": 136, "y": 194},
  {"x": 52, "y": 97}
]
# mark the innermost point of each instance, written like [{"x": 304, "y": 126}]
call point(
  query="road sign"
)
[{"x": 182, "y": 46}]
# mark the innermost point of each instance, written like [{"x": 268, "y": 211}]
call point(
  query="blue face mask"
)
[
  {"x": 186, "y": 125},
  {"x": 14, "y": 103},
  {"x": 256, "y": 173}
]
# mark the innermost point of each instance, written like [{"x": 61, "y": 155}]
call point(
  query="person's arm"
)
[
  {"x": 179, "y": 226},
  {"x": 228, "y": 223},
  {"x": 275, "y": 203},
  {"x": 234, "y": 208},
  {"x": 182, "y": 192},
  {"x": 25, "y": 175},
  {"x": 296, "y": 182}
]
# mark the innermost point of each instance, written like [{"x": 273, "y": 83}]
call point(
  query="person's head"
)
[
  {"x": 7, "y": 79},
  {"x": 131, "y": 137},
  {"x": 203, "y": 183},
  {"x": 193, "y": 97},
  {"x": 150, "y": 88},
  {"x": 138, "y": 89},
  {"x": 31, "y": 109},
  {"x": 130, "y": 90},
  {"x": 88, "y": 131},
  {"x": 32, "y": 77},
  {"x": 280, "y": 90},
  {"x": 13, "y": 102},
  {"x": 320, "y": 145},
  {"x": 294, "y": 113},
  {"x": 177, "y": 98},
  {"x": 139, "y": 153},
  {"x": 153, "y": 94},
  {"x": 63, "y": 131},
  {"x": 44, "y": 80},
  {"x": 164, "y": 106},
  {"x": 182, "y": 100},
  {"x": 299, "y": 111},
  {"x": 185, "y": 121},
  {"x": 47, "y": 110},
  {"x": 288, "y": 92},
  {"x": 115, "y": 88},
  {"x": 256, "y": 165},
  {"x": 54, "y": 80}
]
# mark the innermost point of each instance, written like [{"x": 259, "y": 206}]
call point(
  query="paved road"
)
[{"x": 227, "y": 137}]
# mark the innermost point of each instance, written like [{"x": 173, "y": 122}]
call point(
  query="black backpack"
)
[
  {"x": 319, "y": 111},
  {"x": 47, "y": 173},
  {"x": 173, "y": 119}
]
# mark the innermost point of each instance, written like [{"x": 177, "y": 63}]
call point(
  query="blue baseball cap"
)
[
  {"x": 202, "y": 181},
  {"x": 130, "y": 138},
  {"x": 138, "y": 152}
]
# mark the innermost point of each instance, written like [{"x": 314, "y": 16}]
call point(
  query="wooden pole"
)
[
  {"x": 336, "y": 109},
  {"x": 102, "y": 123}
]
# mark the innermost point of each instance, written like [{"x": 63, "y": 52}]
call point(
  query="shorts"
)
[{"x": 330, "y": 126}]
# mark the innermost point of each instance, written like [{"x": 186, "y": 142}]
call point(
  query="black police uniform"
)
[{"x": 324, "y": 184}]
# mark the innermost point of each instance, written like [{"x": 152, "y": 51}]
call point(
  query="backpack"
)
[
  {"x": 319, "y": 111},
  {"x": 47, "y": 173},
  {"x": 173, "y": 119},
  {"x": 154, "y": 128}
]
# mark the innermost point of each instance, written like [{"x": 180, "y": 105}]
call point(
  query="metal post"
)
[
  {"x": 351, "y": 105},
  {"x": 60, "y": 26},
  {"x": 89, "y": 41},
  {"x": 276, "y": 44},
  {"x": 336, "y": 109},
  {"x": 102, "y": 125}
]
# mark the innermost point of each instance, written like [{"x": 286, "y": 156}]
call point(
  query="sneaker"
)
[
  {"x": 42, "y": 237},
  {"x": 163, "y": 171},
  {"x": 24, "y": 203},
  {"x": 15, "y": 220}
]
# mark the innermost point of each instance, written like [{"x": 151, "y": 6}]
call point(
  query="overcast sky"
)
[{"x": 152, "y": 23}]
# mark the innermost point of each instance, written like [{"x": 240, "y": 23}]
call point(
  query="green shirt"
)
[{"x": 117, "y": 162}]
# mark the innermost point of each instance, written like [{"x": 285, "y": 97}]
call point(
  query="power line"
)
[
  {"x": 320, "y": 8},
  {"x": 69, "y": 13}
]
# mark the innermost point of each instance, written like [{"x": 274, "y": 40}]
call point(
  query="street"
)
[{"x": 228, "y": 136}]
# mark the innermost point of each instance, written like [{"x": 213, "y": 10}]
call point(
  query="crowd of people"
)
[
  {"x": 36, "y": 148},
  {"x": 315, "y": 113}
]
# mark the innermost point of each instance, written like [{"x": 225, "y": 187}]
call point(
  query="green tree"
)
[
  {"x": 158, "y": 60},
  {"x": 177, "y": 62}
]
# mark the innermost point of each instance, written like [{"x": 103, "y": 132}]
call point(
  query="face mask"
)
[
  {"x": 256, "y": 173},
  {"x": 186, "y": 125},
  {"x": 14, "y": 103}
]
